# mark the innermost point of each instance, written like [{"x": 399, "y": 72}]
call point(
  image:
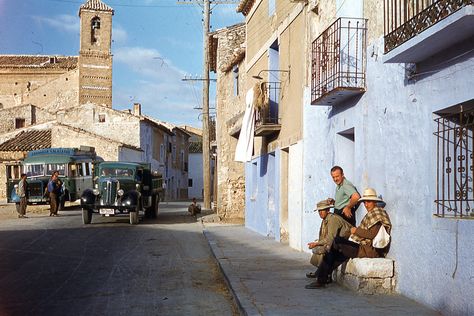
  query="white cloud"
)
[
  {"x": 119, "y": 35},
  {"x": 157, "y": 84},
  {"x": 63, "y": 22}
]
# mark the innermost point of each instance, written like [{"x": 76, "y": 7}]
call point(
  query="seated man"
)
[
  {"x": 194, "y": 208},
  {"x": 363, "y": 235},
  {"x": 332, "y": 225}
]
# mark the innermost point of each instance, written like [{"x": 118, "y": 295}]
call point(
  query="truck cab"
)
[{"x": 122, "y": 188}]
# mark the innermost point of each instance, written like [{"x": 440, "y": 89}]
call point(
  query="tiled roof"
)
[
  {"x": 28, "y": 140},
  {"x": 96, "y": 5},
  {"x": 32, "y": 61}
]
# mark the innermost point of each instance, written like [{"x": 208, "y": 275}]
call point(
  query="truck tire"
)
[{"x": 86, "y": 216}]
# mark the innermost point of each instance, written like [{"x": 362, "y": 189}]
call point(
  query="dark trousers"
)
[
  {"x": 341, "y": 251},
  {"x": 23, "y": 204},
  {"x": 53, "y": 203},
  {"x": 350, "y": 220}
]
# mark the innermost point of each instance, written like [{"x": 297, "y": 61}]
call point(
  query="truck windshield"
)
[{"x": 116, "y": 172}]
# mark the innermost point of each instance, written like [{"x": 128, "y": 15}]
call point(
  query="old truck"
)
[{"x": 126, "y": 188}]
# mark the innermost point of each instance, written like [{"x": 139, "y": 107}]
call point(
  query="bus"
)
[{"x": 75, "y": 167}]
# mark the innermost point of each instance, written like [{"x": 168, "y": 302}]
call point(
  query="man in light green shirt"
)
[{"x": 346, "y": 197}]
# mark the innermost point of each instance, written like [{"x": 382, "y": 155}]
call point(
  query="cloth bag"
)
[{"x": 382, "y": 238}]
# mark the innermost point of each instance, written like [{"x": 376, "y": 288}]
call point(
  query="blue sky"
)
[{"x": 155, "y": 44}]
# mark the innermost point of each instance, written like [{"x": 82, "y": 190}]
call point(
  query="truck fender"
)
[
  {"x": 87, "y": 198},
  {"x": 130, "y": 198}
]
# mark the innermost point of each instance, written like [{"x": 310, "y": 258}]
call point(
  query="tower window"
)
[{"x": 95, "y": 27}]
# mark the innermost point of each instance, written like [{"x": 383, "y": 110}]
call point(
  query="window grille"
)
[{"x": 455, "y": 167}]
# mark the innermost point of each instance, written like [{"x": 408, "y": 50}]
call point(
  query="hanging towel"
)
[{"x": 244, "y": 149}]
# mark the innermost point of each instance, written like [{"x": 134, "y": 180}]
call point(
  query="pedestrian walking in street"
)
[
  {"x": 346, "y": 197},
  {"x": 23, "y": 194},
  {"x": 362, "y": 244},
  {"x": 54, "y": 189}
]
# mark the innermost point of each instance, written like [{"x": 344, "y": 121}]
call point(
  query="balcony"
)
[
  {"x": 339, "y": 61},
  {"x": 267, "y": 122},
  {"x": 417, "y": 29}
]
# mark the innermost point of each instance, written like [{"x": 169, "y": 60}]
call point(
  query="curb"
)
[{"x": 244, "y": 304}]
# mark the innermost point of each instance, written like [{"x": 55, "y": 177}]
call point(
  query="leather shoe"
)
[
  {"x": 311, "y": 275},
  {"x": 315, "y": 285}
]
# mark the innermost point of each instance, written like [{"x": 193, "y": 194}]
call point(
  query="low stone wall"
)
[{"x": 368, "y": 275}]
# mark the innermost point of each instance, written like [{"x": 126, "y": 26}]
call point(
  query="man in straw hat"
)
[
  {"x": 362, "y": 235},
  {"x": 332, "y": 225},
  {"x": 345, "y": 200}
]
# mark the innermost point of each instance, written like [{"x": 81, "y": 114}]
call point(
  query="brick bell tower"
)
[{"x": 95, "y": 57}]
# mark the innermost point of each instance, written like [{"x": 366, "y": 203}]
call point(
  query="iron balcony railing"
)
[
  {"x": 455, "y": 165},
  {"x": 404, "y": 19},
  {"x": 267, "y": 114},
  {"x": 339, "y": 61}
]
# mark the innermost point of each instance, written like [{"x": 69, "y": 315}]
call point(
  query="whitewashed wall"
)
[{"x": 395, "y": 153}]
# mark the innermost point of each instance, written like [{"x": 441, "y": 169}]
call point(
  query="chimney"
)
[{"x": 137, "y": 109}]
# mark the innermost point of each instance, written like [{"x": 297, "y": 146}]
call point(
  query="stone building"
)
[
  {"x": 276, "y": 42},
  {"x": 227, "y": 53},
  {"x": 70, "y": 99}
]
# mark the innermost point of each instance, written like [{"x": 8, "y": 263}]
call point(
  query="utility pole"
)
[{"x": 206, "y": 144}]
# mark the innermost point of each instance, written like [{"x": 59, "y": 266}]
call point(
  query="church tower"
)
[{"x": 95, "y": 56}]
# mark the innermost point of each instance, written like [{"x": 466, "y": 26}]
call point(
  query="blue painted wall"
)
[{"x": 262, "y": 197}]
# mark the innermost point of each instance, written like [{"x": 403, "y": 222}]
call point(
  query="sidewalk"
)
[{"x": 268, "y": 278}]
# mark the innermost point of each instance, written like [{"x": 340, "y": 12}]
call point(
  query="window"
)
[
  {"x": 181, "y": 158},
  {"x": 101, "y": 118},
  {"x": 19, "y": 122},
  {"x": 162, "y": 152},
  {"x": 173, "y": 154},
  {"x": 95, "y": 27},
  {"x": 190, "y": 183},
  {"x": 455, "y": 160},
  {"x": 235, "y": 72}
]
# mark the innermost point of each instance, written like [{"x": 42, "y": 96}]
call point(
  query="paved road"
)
[{"x": 58, "y": 266}]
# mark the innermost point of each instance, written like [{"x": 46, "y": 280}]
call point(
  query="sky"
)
[{"x": 156, "y": 43}]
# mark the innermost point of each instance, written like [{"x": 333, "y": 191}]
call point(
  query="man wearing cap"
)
[
  {"x": 345, "y": 200},
  {"x": 332, "y": 225},
  {"x": 362, "y": 236}
]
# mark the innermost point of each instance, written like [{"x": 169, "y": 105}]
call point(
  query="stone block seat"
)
[{"x": 367, "y": 275}]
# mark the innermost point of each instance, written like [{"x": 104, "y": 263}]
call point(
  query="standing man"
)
[
  {"x": 23, "y": 194},
  {"x": 346, "y": 198},
  {"x": 54, "y": 189}
]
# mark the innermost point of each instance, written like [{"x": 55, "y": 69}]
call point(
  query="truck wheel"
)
[{"x": 86, "y": 216}]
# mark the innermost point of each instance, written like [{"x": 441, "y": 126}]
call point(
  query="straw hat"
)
[
  {"x": 323, "y": 205},
  {"x": 370, "y": 195}
]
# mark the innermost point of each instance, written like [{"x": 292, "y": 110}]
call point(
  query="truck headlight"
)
[
  {"x": 120, "y": 192},
  {"x": 96, "y": 191}
]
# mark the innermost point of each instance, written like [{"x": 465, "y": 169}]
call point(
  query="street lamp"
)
[{"x": 271, "y": 70}]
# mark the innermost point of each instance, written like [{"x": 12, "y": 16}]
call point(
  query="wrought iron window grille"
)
[
  {"x": 339, "y": 58},
  {"x": 404, "y": 19},
  {"x": 455, "y": 165},
  {"x": 267, "y": 112}
]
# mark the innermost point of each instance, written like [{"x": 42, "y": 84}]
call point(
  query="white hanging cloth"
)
[{"x": 244, "y": 149}]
